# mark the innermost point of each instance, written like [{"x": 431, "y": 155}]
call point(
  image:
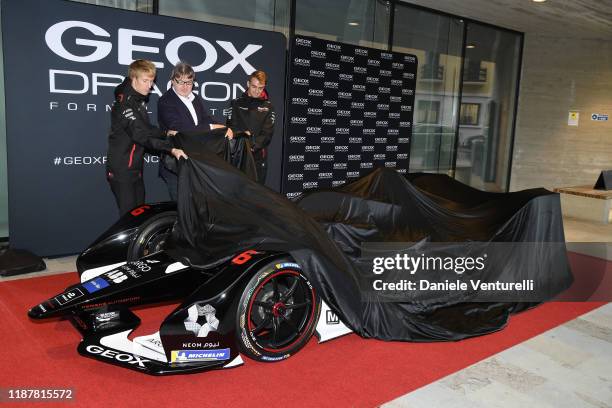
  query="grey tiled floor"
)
[{"x": 568, "y": 366}]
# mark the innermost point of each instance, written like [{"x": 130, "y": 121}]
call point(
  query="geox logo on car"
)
[
  {"x": 297, "y": 139},
  {"x": 116, "y": 355},
  {"x": 347, "y": 58},
  {"x": 315, "y": 92},
  {"x": 332, "y": 66},
  {"x": 315, "y": 111},
  {"x": 386, "y": 55},
  {"x": 345, "y": 77},
  {"x": 330, "y": 103},
  {"x": 385, "y": 72},
  {"x": 340, "y": 166},
  {"x": 361, "y": 51},
  {"x": 331, "y": 318},
  {"x": 186, "y": 356},
  {"x": 334, "y": 47},
  {"x": 329, "y": 121},
  {"x": 409, "y": 58},
  {"x": 303, "y": 42},
  {"x": 311, "y": 184}
]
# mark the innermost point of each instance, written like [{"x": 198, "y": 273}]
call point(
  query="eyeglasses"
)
[{"x": 179, "y": 82}]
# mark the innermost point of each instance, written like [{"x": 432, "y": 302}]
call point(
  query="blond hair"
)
[
  {"x": 141, "y": 67},
  {"x": 260, "y": 76}
]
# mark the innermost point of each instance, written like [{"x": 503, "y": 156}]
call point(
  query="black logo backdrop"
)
[
  {"x": 349, "y": 111},
  {"x": 62, "y": 61}
]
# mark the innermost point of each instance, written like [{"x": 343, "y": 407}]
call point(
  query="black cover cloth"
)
[{"x": 222, "y": 212}]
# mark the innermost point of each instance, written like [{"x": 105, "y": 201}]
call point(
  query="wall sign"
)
[{"x": 62, "y": 61}]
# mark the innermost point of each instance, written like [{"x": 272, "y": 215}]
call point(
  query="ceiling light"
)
[
  {"x": 353, "y": 23},
  {"x": 538, "y": 1},
  {"x": 470, "y": 46}
]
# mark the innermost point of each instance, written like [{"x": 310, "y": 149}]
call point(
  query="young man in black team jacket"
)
[
  {"x": 253, "y": 114},
  {"x": 130, "y": 134}
]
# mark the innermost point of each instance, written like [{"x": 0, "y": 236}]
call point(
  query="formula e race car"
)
[
  {"x": 258, "y": 274},
  {"x": 256, "y": 303}
]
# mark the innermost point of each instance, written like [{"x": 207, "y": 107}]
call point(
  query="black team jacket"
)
[
  {"x": 131, "y": 133},
  {"x": 255, "y": 115}
]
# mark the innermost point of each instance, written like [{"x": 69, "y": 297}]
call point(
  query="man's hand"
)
[
  {"x": 178, "y": 153},
  {"x": 171, "y": 132},
  {"x": 229, "y": 134}
]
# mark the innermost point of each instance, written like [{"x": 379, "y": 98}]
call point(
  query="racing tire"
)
[
  {"x": 152, "y": 235},
  {"x": 278, "y": 312}
]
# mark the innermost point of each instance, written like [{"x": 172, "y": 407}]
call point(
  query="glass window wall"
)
[
  {"x": 488, "y": 99},
  {"x": 437, "y": 41},
  {"x": 145, "y": 6},
  {"x": 358, "y": 22},
  {"x": 270, "y": 15}
]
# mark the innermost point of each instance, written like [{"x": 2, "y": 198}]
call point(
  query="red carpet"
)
[{"x": 349, "y": 371}]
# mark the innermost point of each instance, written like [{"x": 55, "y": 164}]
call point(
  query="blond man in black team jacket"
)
[
  {"x": 131, "y": 133},
  {"x": 253, "y": 114}
]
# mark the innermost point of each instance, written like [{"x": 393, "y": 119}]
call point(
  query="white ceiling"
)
[{"x": 560, "y": 18}]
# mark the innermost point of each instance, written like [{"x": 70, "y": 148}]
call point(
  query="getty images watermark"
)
[{"x": 465, "y": 271}]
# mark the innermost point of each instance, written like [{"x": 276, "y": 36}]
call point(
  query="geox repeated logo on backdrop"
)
[{"x": 349, "y": 106}]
